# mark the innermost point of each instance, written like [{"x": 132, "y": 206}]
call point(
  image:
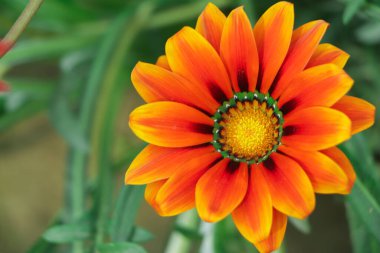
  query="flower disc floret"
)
[{"x": 248, "y": 127}]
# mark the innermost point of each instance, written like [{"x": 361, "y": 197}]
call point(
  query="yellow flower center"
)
[{"x": 248, "y": 130}]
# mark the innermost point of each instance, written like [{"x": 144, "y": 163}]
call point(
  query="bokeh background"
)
[{"x": 65, "y": 141}]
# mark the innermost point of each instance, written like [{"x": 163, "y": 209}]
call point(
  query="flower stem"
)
[
  {"x": 179, "y": 242},
  {"x": 22, "y": 21}
]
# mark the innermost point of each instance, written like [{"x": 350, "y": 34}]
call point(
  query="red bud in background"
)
[{"x": 4, "y": 47}]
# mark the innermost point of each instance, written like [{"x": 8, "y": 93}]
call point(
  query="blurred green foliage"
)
[{"x": 74, "y": 62}]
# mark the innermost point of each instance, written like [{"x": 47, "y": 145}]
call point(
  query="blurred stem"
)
[
  {"x": 208, "y": 242},
  {"x": 22, "y": 21},
  {"x": 107, "y": 108},
  {"x": 179, "y": 242}
]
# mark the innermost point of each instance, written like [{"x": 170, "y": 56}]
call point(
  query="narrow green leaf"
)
[
  {"x": 120, "y": 247},
  {"x": 249, "y": 8},
  {"x": 141, "y": 235},
  {"x": 61, "y": 115},
  {"x": 366, "y": 208},
  {"x": 361, "y": 158},
  {"x": 29, "y": 51},
  {"x": 127, "y": 205},
  {"x": 369, "y": 33},
  {"x": 65, "y": 122},
  {"x": 351, "y": 9},
  {"x": 363, "y": 204},
  {"x": 362, "y": 239},
  {"x": 188, "y": 232},
  {"x": 68, "y": 233},
  {"x": 301, "y": 225},
  {"x": 121, "y": 37}
]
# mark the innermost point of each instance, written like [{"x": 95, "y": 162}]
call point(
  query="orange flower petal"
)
[
  {"x": 156, "y": 163},
  {"x": 305, "y": 40},
  {"x": 155, "y": 83},
  {"x": 315, "y": 128},
  {"x": 327, "y": 53},
  {"x": 239, "y": 52},
  {"x": 325, "y": 175},
  {"x": 273, "y": 33},
  {"x": 291, "y": 190},
  {"x": 360, "y": 112},
  {"x": 276, "y": 235},
  {"x": 178, "y": 193},
  {"x": 210, "y": 24},
  {"x": 151, "y": 191},
  {"x": 190, "y": 55},
  {"x": 341, "y": 159},
  {"x": 221, "y": 189},
  {"x": 319, "y": 86},
  {"x": 171, "y": 124},
  {"x": 162, "y": 62},
  {"x": 253, "y": 217}
]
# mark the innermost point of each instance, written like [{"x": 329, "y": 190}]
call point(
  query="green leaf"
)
[
  {"x": 127, "y": 205},
  {"x": 360, "y": 156},
  {"x": 362, "y": 239},
  {"x": 366, "y": 208},
  {"x": 63, "y": 118},
  {"x": 363, "y": 204},
  {"x": 120, "y": 247},
  {"x": 301, "y": 225},
  {"x": 249, "y": 8},
  {"x": 68, "y": 233},
  {"x": 141, "y": 235},
  {"x": 369, "y": 33},
  {"x": 351, "y": 9},
  {"x": 188, "y": 232}
]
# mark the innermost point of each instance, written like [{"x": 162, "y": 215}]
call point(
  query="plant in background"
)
[{"x": 245, "y": 122}]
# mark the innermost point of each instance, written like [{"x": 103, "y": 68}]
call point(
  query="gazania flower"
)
[{"x": 245, "y": 121}]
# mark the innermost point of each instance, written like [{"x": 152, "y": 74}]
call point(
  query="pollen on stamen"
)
[{"x": 249, "y": 128}]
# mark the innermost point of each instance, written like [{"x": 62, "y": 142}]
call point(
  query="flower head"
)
[{"x": 245, "y": 121}]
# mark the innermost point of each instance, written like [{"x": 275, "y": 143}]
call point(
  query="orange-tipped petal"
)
[
  {"x": 319, "y": 86},
  {"x": 273, "y": 33},
  {"x": 170, "y": 124},
  {"x": 221, "y": 189},
  {"x": 178, "y": 193},
  {"x": 210, "y": 24},
  {"x": 341, "y": 159},
  {"x": 327, "y": 53},
  {"x": 155, "y": 83},
  {"x": 156, "y": 163},
  {"x": 291, "y": 190},
  {"x": 325, "y": 175},
  {"x": 239, "y": 52},
  {"x": 162, "y": 62},
  {"x": 253, "y": 217},
  {"x": 360, "y": 112},
  {"x": 151, "y": 191},
  {"x": 277, "y": 233},
  {"x": 305, "y": 40},
  {"x": 192, "y": 56},
  {"x": 315, "y": 128}
]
